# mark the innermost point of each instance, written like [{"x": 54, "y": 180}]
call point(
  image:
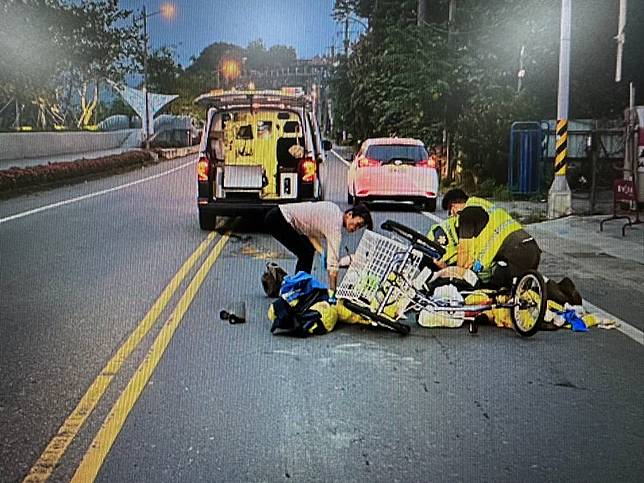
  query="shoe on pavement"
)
[
  {"x": 555, "y": 293},
  {"x": 568, "y": 288}
]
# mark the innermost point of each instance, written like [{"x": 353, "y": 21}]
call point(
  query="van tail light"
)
[
  {"x": 368, "y": 163},
  {"x": 308, "y": 170},
  {"x": 426, "y": 163},
  {"x": 203, "y": 167}
]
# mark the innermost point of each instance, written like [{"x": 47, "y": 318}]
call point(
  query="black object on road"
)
[{"x": 234, "y": 315}]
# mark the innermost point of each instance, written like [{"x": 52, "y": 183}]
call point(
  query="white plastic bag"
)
[{"x": 448, "y": 293}]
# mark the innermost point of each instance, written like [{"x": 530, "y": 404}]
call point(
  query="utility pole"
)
[
  {"x": 145, "y": 79},
  {"x": 621, "y": 39},
  {"x": 346, "y": 36},
  {"x": 521, "y": 73},
  {"x": 559, "y": 196},
  {"x": 423, "y": 13},
  {"x": 17, "y": 120},
  {"x": 446, "y": 137},
  {"x": 450, "y": 15}
]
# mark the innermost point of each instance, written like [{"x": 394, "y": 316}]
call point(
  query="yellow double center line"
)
[{"x": 106, "y": 436}]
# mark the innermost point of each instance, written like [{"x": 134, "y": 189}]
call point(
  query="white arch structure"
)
[{"x": 136, "y": 99}]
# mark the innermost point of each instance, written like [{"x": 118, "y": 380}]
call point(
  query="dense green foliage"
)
[
  {"x": 163, "y": 71},
  {"x": 409, "y": 80},
  {"x": 204, "y": 72},
  {"x": 57, "y": 53},
  {"x": 52, "y": 49}
]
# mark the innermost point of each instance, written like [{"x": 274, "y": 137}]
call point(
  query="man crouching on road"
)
[
  {"x": 489, "y": 241},
  {"x": 300, "y": 227}
]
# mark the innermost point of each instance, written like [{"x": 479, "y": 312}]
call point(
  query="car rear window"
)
[{"x": 389, "y": 153}]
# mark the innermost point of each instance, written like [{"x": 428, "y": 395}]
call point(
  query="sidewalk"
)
[
  {"x": 581, "y": 230},
  {"x": 606, "y": 267},
  {"x": 582, "y": 233}
]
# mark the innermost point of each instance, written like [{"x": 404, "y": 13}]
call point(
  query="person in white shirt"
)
[{"x": 302, "y": 227}]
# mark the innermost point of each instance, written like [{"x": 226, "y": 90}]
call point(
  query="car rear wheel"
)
[{"x": 207, "y": 221}]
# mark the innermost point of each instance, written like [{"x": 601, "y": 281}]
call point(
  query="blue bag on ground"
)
[
  {"x": 292, "y": 312},
  {"x": 299, "y": 285},
  {"x": 576, "y": 322}
]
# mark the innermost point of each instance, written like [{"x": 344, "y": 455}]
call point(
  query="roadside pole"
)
[
  {"x": 559, "y": 196},
  {"x": 451, "y": 169},
  {"x": 621, "y": 38},
  {"x": 423, "y": 11},
  {"x": 145, "y": 80}
]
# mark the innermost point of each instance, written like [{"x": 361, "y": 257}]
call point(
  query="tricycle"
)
[{"x": 390, "y": 278}]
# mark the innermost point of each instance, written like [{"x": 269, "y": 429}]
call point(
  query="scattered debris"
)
[{"x": 235, "y": 314}]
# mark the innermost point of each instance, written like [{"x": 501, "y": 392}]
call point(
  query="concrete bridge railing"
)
[{"x": 37, "y": 144}]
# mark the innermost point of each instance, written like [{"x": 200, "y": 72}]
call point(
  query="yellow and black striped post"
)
[
  {"x": 559, "y": 196},
  {"x": 561, "y": 152}
]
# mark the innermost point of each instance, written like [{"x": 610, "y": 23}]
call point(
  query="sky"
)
[{"x": 306, "y": 25}]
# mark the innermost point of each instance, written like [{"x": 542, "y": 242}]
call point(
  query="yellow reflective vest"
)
[
  {"x": 499, "y": 226},
  {"x": 444, "y": 233}
]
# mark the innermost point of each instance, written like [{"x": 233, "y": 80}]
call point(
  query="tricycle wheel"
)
[
  {"x": 377, "y": 319},
  {"x": 530, "y": 301}
]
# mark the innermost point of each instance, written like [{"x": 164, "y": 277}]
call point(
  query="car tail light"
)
[
  {"x": 308, "y": 170},
  {"x": 426, "y": 163},
  {"x": 368, "y": 162},
  {"x": 203, "y": 166}
]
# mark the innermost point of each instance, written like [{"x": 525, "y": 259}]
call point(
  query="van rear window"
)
[
  {"x": 245, "y": 132},
  {"x": 388, "y": 153}
]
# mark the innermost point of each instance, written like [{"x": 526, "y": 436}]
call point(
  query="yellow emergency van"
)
[{"x": 258, "y": 149}]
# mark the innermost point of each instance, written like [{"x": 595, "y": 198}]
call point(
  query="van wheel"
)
[{"x": 207, "y": 221}]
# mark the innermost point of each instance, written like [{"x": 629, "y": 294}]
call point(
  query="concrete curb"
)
[{"x": 172, "y": 153}]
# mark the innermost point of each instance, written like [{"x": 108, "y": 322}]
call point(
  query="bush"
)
[
  {"x": 501, "y": 193},
  {"x": 21, "y": 179},
  {"x": 486, "y": 188}
]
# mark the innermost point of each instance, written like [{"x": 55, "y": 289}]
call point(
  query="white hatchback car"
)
[{"x": 396, "y": 169}]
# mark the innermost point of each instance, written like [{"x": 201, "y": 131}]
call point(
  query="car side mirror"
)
[{"x": 327, "y": 145}]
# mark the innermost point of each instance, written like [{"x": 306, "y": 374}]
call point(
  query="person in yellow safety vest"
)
[
  {"x": 444, "y": 233},
  {"x": 490, "y": 242}
]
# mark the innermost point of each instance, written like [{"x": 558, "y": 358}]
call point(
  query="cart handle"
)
[{"x": 431, "y": 248}]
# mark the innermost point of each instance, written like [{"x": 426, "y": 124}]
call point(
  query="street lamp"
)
[
  {"x": 168, "y": 11},
  {"x": 230, "y": 69},
  {"x": 347, "y": 41}
]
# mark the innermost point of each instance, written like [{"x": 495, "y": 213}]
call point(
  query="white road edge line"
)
[
  {"x": 624, "y": 327},
  {"x": 341, "y": 158},
  {"x": 91, "y": 195}
]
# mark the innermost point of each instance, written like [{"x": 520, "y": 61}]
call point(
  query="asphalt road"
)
[{"x": 197, "y": 399}]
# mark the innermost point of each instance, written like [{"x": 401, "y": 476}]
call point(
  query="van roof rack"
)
[{"x": 224, "y": 100}]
